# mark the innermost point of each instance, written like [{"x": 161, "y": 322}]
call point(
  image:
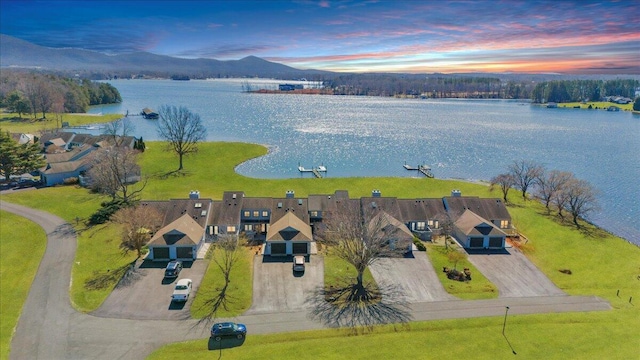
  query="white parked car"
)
[{"x": 182, "y": 290}]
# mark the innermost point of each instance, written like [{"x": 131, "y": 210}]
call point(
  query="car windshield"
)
[{"x": 181, "y": 287}]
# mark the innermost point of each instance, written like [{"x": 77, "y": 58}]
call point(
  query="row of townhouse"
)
[
  {"x": 289, "y": 225},
  {"x": 66, "y": 154}
]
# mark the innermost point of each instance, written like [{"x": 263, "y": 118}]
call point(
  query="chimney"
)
[
  {"x": 375, "y": 193},
  {"x": 456, "y": 193},
  {"x": 194, "y": 194},
  {"x": 290, "y": 194}
]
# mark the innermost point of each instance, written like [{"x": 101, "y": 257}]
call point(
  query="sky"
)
[{"x": 404, "y": 36}]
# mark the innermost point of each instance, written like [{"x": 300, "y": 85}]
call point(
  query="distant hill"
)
[{"x": 16, "y": 53}]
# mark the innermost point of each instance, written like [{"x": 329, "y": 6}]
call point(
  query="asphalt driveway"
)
[
  {"x": 277, "y": 289},
  {"x": 514, "y": 274},
  {"x": 414, "y": 276},
  {"x": 145, "y": 294}
]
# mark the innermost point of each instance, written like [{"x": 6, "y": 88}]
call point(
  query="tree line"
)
[
  {"x": 559, "y": 191},
  {"x": 432, "y": 86},
  {"x": 583, "y": 90},
  {"x": 35, "y": 93}
]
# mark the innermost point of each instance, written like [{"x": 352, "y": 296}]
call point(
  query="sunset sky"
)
[{"x": 585, "y": 37}]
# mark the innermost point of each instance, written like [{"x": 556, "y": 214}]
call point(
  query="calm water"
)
[{"x": 372, "y": 136}]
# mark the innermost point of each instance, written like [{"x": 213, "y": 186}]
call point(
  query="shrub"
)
[
  {"x": 104, "y": 213},
  {"x": 419, "y": 244},
  {"x": 70, "y": 181}
]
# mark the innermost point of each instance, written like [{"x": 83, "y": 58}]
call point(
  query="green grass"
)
[
  {"x": 478, "y": 288},
  {"x": 22, "y": 245},
  {"x": 601, "y": 264},
  {"x": 99, "y": 259},
  {"x": 10, "y": 122},
  {"x": 337, "y": 270},
  {"x": 602, "y": 335},
  {"x": 239, "y": 292},
  {"x": 601, "y": 105}
]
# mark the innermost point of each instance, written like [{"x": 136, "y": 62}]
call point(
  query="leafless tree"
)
[
  {"x": 182, "y": 129},
  {"x": 525, "y": 174},
  {"x": 505, "y": 182},
  {"x": 580, "y": 199},
  {"x": 113, "y": 172},
  {"x": 360, "y": 239},
  {"x": 137, "y": 224},
  {"x": 226, "y": 253},
  {"x": 117, "y": 130},
  {"x": 550, "y": 183}
]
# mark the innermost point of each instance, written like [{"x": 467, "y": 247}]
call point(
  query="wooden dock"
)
[{"x": 424, "y": 169}]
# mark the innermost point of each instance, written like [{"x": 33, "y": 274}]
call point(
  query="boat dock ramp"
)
[
  {"x": 424, "y": 169},
  {"x": 316, "y": 170}
]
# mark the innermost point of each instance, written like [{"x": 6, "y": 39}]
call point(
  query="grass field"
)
[
  {"x": 596, "y": 105},
  {"x": 10, "y": 121},
  {"x": 22, "y": 244},
  {"x": 478, "y": 288},
  {"x": 601, "y": 264},
  {"x": 237, "y": 295}
]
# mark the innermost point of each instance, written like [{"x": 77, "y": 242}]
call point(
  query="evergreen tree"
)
[{"x": 16, "y": 159}]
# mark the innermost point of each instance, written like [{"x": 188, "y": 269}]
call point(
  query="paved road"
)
[{"x": 49, "y": 328}]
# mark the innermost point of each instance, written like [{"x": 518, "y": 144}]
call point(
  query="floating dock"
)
[
  {"x": 316, "y": 170},
  {"x": 424, "y": 169}
]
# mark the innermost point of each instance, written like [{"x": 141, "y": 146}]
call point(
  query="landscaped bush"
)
[{"x": 419, "y": 244}]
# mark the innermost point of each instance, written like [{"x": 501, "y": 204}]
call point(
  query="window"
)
[
  {"x": 314, "y": 214},
  {"x": 504, "y": 224},
  {"x": 248, "y": 227},
  {"x": 231, "y": 229},
  {"x": 265, "y": 213},
  {"x": 256, "y": 213},
  {"x": 420, "y": 225},
  {"x": 247, "y": 213}
]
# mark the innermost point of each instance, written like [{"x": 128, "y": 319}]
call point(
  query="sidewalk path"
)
[{"x": 49, "y": 328}]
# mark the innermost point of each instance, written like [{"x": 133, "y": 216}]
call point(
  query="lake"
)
[{"x": 374, "y": 136}]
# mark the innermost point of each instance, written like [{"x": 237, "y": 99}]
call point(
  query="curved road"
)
[{"x": 49, "y": 327}]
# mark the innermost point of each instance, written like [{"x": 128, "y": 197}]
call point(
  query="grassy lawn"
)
[
  {"x": 239, "y": 292},
  {"x": 601, "y": 105},
  {"x": 601, "y": 335},
  {"x": 98, "y": 257},
  {"x": 601, "y": 264},
  {"x": 22, "y": 244},
  {"x": 478, "y": 288},
  {"x": 336, "y": 270},
  {"x": 10, "y": 122}
]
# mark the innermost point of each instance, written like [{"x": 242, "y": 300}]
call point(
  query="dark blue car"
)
[{"x": 220, "y": 330}]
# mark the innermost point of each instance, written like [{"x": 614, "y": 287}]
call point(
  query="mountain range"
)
[{"x": 17, "y": 53}]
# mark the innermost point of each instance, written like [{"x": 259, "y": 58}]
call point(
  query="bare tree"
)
[
  {"x": 550, "y": 183},
  {"x": 226, "y": 253},
  {"x": 580, "y": 199},
  {"x": 138, "y": 223},
  {"x": 525, "y": 173},
  {"x": 113, "y": 172},
  {"x": 182, "y": 129},
  {"x": 360, "y": 240},
  {"x": 505, "y": 182},
  {"x": 117, "y": 130}
]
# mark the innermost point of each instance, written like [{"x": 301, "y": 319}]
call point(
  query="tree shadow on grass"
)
[
  {"x": 101, "y": 280},
  {"x": 171, "y": 174},
  {"x": 220, "y": 299},
  {"x": 359, "y": 307}
]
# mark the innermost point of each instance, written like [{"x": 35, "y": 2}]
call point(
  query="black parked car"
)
[
  {"x": 173, "y": 269},
  {"x": 220, "y": 330}
]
